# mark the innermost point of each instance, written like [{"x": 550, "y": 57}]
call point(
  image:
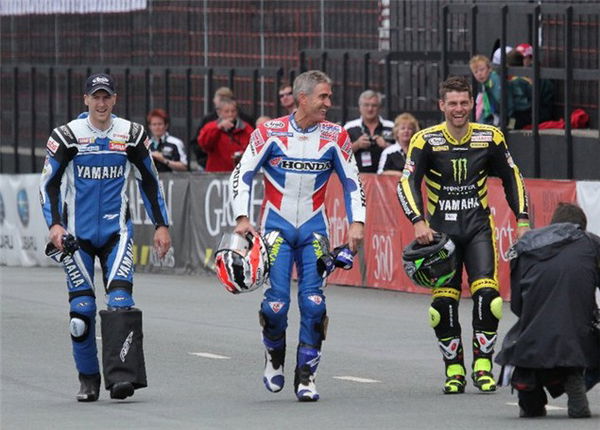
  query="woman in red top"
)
[{"x": 225, "y": 139}]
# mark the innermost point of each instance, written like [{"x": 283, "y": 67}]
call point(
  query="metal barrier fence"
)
[
  {"x": 560, "y": 50},
  {"x": 38, "y": 98}
]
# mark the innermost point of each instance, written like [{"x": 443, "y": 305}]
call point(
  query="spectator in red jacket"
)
[{"x": 225, "y": 139}]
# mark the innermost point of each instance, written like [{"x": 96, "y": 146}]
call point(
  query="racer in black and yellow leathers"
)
[{"x": 455, "y": 158}]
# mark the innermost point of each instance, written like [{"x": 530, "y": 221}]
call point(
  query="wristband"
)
[{"x": 523, "y": 224}]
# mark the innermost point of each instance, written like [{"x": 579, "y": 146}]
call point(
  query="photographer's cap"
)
[{"x": 100, "y": 81}]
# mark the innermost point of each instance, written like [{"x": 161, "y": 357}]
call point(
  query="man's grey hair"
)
[
  {"x": 307, "y": 81},
  {"x": 369, "y": 94}
]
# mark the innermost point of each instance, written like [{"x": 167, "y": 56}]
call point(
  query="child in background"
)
[{"x": 487, "y": 107}]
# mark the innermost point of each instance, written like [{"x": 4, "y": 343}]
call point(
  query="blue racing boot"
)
[
  {"x": 274, "y": 359},
  {"x": 304, "y": 381}
]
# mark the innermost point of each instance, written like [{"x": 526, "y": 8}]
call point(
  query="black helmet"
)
[{"x": 432, "y": 265}]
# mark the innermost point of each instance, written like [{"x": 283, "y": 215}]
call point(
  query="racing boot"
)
[
  {"x": 483, "y": 349},
  {"x": 452, "y": 351},
  {"x": 306, "y": 368},
  {"x": 89, "y": 390},
  {"x": 274, "y": 360}
]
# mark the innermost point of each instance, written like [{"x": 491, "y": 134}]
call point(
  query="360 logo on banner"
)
[{"x": 384, "y": 257}]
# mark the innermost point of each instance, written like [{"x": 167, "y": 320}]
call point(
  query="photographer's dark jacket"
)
[
  {"x": 367, "y": 159},
  {"x": 554, "y": 276}
]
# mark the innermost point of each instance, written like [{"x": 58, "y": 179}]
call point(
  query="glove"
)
[
  {"x": 325, "y": 265},
  {"x": 70, "y": 245},
  {"x": 343, "y": 257}
]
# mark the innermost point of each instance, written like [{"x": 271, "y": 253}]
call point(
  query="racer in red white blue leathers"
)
[
  {"x": 92, "y": 165},
  {"x": 297, "y": 164}
]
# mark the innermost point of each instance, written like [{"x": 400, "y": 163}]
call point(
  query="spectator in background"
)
[
  {"x": 370, "y": 134},
  {"x": 220, "y": 94},
  {"x": 167, "y": 151},
  {"x": 286, "y": 98},
  {"x": 520, "y": 92},
  {"x": 487, "y": 106},
  {"x": 224, "y": 139},
  {"x": 261, "y": 120},
  {"x": 393, "y": 158},
  {"x": 554, "y": 280},
  {"x": 497, "y": 56},
  {"x": 546, "y": 87}
]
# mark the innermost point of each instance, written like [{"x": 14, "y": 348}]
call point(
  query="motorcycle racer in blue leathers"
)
[{"x": 83, "y": 193}]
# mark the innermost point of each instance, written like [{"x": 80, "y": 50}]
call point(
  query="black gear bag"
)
[{"x": 122, "y": 347}]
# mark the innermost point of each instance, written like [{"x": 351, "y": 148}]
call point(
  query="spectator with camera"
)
[
  {"x": 224, "y": 139},
  {"x": 370, "y": 134}
]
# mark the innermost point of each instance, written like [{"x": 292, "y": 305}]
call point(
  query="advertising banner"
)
[
  {"x": 588, "y": 197},
  {"x": 176, "y": 190},
  {"x": 23, "y": 230},
  {"x": 200, "y": 211}
]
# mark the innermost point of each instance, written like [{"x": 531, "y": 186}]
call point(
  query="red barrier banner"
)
[{"x": 387, "y": 231}]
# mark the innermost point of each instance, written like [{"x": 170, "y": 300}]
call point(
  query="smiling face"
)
[
  {"x": 404, "y": 132},
  {"x": 314, "y": 106},
  {"x": 100, "y": 106},
  {"x": 457, "y": 106}
]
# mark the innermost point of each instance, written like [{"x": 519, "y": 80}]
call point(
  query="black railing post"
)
[
  {"x": 302, "y": 61},
  {"x": 126, "y": 92},
  {"x": 444, "y": 56},
  {"x": 167, "y": 90},
  {"x": 33, "y": 119},
  {"x": 69, "y": 93},
  {"x": 210, "y": 88},
  {"x": 16, "y": 118},
  {"x": 535, "y": 111},
  {"x": 50, "y": 99},
  {"x": 147, "y": 90},
  {"x": 231, "y": 80},
  {"x": 345, "y": 59},
  {"x": 474, "y": 12},
  {"x": 568, "y": 87},
  {"x": 255, "y": 94},
  {"x": 503, "y": 73},
  {"x": 366, "y": 69},
  {"x": 388, "y": 86},
  {"x": 278, "y": 84},
  {"x": 324, "y": 61},
  {"x": 188, "y": 114}
]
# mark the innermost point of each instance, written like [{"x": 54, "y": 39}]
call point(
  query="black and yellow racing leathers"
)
[{"x": 455, "y": 174}]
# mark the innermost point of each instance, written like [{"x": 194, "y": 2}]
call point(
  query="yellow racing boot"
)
[
  {"x": 482, "y": 375},
  {"x": 455, "y": 379}
]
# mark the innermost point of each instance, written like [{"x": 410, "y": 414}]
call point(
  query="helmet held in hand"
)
[
  {"x": 432, "y": 265},
  {"x": 242, "y": 263}
]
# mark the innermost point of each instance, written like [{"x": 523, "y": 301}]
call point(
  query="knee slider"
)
[
  {"x": 83, "y": 315},
  {"x": 443, "y": 317},
  {"x": 312, "y": 305},
  {"x": 488, "y": 303}
]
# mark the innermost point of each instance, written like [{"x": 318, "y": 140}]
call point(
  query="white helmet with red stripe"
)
[{"x": 242, "y": 263}]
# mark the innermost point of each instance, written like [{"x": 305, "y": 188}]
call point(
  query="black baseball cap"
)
[{"x": 100, "y": 81}]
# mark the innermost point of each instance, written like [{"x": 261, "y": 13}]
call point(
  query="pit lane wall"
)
[{"x": 200, "y": 211}]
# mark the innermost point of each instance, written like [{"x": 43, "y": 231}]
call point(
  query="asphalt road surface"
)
[{"x": 380, "y": 368}]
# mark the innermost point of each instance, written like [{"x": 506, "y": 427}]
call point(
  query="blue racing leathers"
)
[
  {"x": 83, "y": 188},
  {"x": 297, "y": 164}
]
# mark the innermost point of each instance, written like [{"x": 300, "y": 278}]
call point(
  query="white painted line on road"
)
[
  {"x": 357, "y": 379},
  {"x": 549, "y": 407},
  {"x": 209, "y": 355}
]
